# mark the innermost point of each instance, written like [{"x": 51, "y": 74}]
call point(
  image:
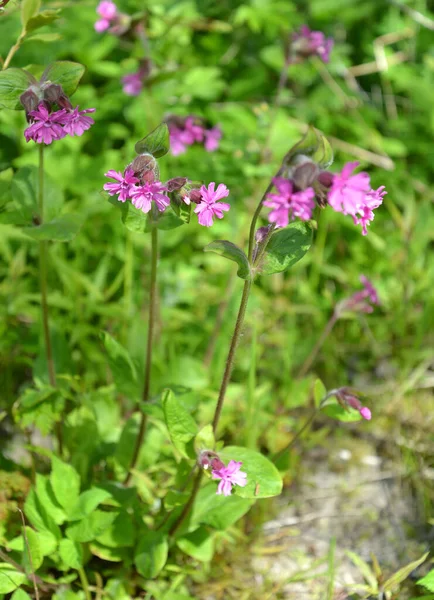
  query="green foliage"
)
[
  {"x": 427, "y": 581},
  {"x": 156, "y": 143},
  {"x": 286, "y": 247},
  {"x": 180, "y": 424},
  {"x": 13, "y": 82},
  {"x": 232, "y": 252}
]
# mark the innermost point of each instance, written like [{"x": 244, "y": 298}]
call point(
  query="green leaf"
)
[
  {"x": 87, "y": 502},
  {"x": 10, "y": 578},
  {"x": 46, "y": 497},
  {"x": 393, "y": 582},
  {"x": 335, "y": 411},
  {"x": 156, "y": 143},
  {"x": 20, "y": 594},
  {"x": 219, "y": 512},
  {"x": 319, "y": 392},
  {"x": 181, "y": 425},
  {"x": 110, "y": 554},
  {"x": 205, "y": 439},
  {"x": 90, "y": 527},
  {"x": 313, "y": 144},
  {"x": 29, "y": 8},
  {"x": 232, "y": 252},
  {"x": 263, "y": 479},
  {"x": 198, "y": 544},
  {"x": 286, "y": 247},
  {"x": 41, "y": 519},
  {"x": 120, "y": 533},
  {"x": 71, "y": 554},
  {"x": 62, "y": 229},
  {"x": 24, "y": 189},
  {"x": 427, "y": 581},
  {"x": 44, "y": 37},
  {"x": 43, "y": 18},
  {"x": 364, "y": 569},
  {"x": 122, "y": 367},
  {"x": 13, "y": 82},
  {"x": 65, "y": 482},
  {"x": 151, "y": 553},
  {"x": 65, "y": 73},
  {"x": 32, "y": 557}
]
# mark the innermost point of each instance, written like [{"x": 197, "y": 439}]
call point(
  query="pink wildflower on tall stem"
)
[
  {"x": 108, "y": 12},
  {"x": 210, "y": 206},
  {"x": 308, "y": 43},
  {"x": 142, "y": 196},
  {"x": 287, "y": 204},
  {"x": 229, "y": 476},
  {"x": 212, "y": 138},
  {"x": 46, "y": 126},
  {"x": 124, "y": 186},
  {"x": 132, "y": 83}
]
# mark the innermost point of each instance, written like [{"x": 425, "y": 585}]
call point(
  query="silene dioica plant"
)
[{"x": 100, "y": 520}]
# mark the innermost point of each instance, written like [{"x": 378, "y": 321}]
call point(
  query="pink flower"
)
[
  {"x": 229, "y": 476},
  {"x": 209, "y": 206},
  {"x": 308, "y": 43},
  {"x": 192, "y": 131},
  {"x": 369, "y": 290},
  {"x": 365, "y": 413},
  {"x": 132, "y": 84},
  {"x": 346, "y": 397},
  {"x": 177, "y": 143},
  {"x": 212, "y": 138},
  {"x": 143, "y": 195},
  {"x": 46, "y": 127},
  {"x": 101, "y": 25},
  {"x": 287, "y": 204},
  {"x": 353, "y": 195},
  {"x": 77, "y": 122},
  {"x": 125, "y": 185}
]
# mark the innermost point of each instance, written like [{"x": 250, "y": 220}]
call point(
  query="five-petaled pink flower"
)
[
  {"x": 308, "y": 43},
  {"x": 132, "y": 84},
  {"x": 352, "y": 195},
  {"x": 209, "y": 206},
  {"x": 287, "y": 204},
  {"x": 46, "y": 126},
  {"x": 108, "y": 12},
  {"x": 229, "y": 476},
  {"x": 125, "y": 184},
  {"x": 77, "y": 122},
  {"x": 143, "y": 195}
]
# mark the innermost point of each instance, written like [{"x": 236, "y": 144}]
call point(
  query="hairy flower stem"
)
[
  {"x": 149, "y": 346},
  {"x": 322, "y": 338},
  {"x": 14, "y": 49},
  {"x": 43, "y": 260},
  {"x": 187, "y": 506}
]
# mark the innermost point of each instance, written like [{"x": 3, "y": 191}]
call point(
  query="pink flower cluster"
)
[
  {"x": 132, "y": 84},
  {"x": 352, "y": 195},
  {"x": 142, "y": 193},
  {"x": 190, "y": 132},
  {"x": 45, "y": 126},
  {"x": 361, "y": 301},
  {"x": 346, "y": 193},
  {"x": 108, "y": 12},
  {"x": 229, "y": 476},
  {"x": 309, "y": 43}
]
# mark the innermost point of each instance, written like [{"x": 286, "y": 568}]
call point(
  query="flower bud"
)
[
  {"x": 176, "y": 183},
  {"x": 262, "y": 233},
  {"x": 346, "y": 397},
  {"x": 208, "y": 458},
  {"x": 30, "y": 100},
  {"x": 145, "y": 167}
]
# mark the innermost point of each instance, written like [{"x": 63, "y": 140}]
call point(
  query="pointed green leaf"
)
[
  {"x": 13, "y": 82},
  {"x": 151, "y": 553},
  {"x": 232, "y": 252},
  {"x": 65, "y": 482},
  {"x": 90, "y": 527},
  {"x": 397, "y": 578},
  {"x": 71, "y": 554},
  {"x": 156, "y": 143},
  {"x": 41, "y": 519},
  {"x": 32, "y": 557},
  {"x": 181, "y": 425},
  {"x": 427, "y": 581},
  {"x": 65, "y": 73},
  {"x": 10, "y": 578},
  {"x": 319, "y": 392},
  {"x": 87, "y": 502},
  {"x": 219, "y": 512},
  {"x": 263, "y": 479},
  {"x": 286, "y": 247},
  {"x": 335, "y": 411},
  {"x": 313, "y": 144},
  {"x": 205, "y": 439},
  {"x": 20, "y": 595},
  {"x": 198, "y": 544},
  {"x": 43, "y": 18},
  {"x": 62, "y": 229},
  {"x": 46, "y": 497},
  {"x": 122, "y": 367},
  {"x": 29, "y": 8},
  {"x": 364, "y": 569}
]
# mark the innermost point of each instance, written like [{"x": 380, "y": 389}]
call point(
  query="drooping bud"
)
[
  {"x": 176, "y": 183},
  {"x": 145, "y": 167},
  {"x": 30, "y": 100},
  {"x": 347, "y": 398},
  {"x": 209, "y": 458},
  {"x": 305, "y": 174}
]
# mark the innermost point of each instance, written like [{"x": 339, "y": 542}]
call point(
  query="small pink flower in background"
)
[
  {"x": 229, "y": 476},
  {"x": 360, "y": 301},
  {"x": 308, "y": 43},
  {"x": 212, "y": 138},
  {"x": 369, "y": 290},
  {"x": 143, "y": 195},
  {"x": 124, "y": 186},
  {"x": 209, "y": 206},
  {"x": 287, "y": 204},
  {"x": 365, "y": 413},
  {"x": 77, "y": 122},
  {"x": 192, "y": 131},
  {"x": 346, "y": 397},
  {"x": 108, "y": 12},
  {"x": 46, "y": 127},
  {"x": 177, "y": 145},
  {"x": 132, "y": 84},
  {"x": 352, "y": 195}
]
